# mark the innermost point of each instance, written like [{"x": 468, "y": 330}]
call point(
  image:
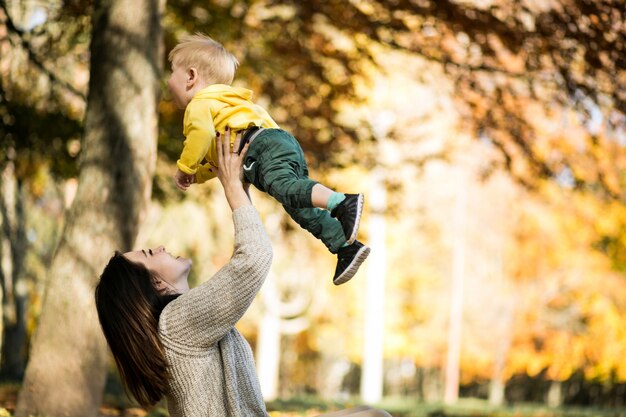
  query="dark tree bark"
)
[
  {"x": 66, "y": 372},
  {"x": 12, "y": 281}
]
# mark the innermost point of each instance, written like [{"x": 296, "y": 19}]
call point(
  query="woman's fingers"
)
[
  {"x": 237, "y": 142},
  {"x": 226, "y": 142},
  {"x": 228, "y": 161},
  {"x": 244, "y": 150},
  {"x": 229, "y": 169},
  {"x": 218, "y": 148}
]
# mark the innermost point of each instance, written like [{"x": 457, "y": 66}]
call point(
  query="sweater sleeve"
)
[{"x": 201, "y": 317}]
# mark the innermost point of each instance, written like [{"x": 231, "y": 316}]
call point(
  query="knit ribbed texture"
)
[{"x": 211, "y": 366}]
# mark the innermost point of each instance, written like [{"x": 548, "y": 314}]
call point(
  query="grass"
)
[
  {"x": 116, "y": 404},
  {"x": 472, "y": 407}
]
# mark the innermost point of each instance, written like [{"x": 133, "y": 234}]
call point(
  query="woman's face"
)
[{"x": 172, "y": 271}]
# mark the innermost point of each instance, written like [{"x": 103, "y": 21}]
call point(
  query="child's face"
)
[{"x": 178, "y": 83}]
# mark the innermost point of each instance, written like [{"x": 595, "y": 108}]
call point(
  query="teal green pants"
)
[{"x": 275, "y": 164}]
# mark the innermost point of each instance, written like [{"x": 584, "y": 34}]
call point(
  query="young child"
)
[{"x": 202, "y": 71}]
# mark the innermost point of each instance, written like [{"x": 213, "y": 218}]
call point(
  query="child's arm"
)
[
  {"x": 199, "y": 132},
  {"x": 204, "y": 173}
]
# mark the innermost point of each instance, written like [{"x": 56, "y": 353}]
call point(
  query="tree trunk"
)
[
  {"x": 66, "y": 372},
  {"x": 430, "y": 384},
  {"x": 503, "y": 333},
  {"x": 12, "y": 279},
  {"x": 497, "y": 388},
  {"x": 554, "y": 398}
]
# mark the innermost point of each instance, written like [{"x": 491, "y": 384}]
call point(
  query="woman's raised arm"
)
[{"x": 202, "y": 316}]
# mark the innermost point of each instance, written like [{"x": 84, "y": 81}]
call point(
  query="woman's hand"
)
[{"x": 229, "y": 171}]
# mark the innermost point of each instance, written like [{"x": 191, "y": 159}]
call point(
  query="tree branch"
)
[{"x": 32, "y": 56}]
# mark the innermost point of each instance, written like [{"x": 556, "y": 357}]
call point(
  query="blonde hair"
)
[{"x": 214, "y": 63}]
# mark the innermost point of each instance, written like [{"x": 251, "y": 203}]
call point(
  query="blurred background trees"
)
[
  {"x": 113, "y": 188},
  {"x": 522, "y": 101}
]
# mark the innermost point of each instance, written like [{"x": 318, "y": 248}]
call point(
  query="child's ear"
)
[{"x": 192, "y": 77}]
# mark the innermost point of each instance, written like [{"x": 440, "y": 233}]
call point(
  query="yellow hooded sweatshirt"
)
[{"x": 209, "y": 111}]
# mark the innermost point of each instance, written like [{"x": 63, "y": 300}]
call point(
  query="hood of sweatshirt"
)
[{"x": 226, "y": 93}]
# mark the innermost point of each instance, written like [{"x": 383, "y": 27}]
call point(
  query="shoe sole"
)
[
  {"x": 357, "y": 221},
  {"x": 347, "y": 275}
]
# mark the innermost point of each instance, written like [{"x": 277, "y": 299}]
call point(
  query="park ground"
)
[{"x": 312, "y": 406}]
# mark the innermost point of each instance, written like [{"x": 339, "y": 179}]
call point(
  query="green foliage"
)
[
  {"x": 308, "y": 57},
  {"x": 39, "y": 106},
  {"x": 615, "y": 249},
  {"x": 304, "y": 60},
  {"x": 33, "y": 137}
]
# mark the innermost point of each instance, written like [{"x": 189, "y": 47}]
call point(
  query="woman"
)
[{"x": 168, "y": 340}]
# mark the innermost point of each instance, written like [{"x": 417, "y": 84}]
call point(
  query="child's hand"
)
[{"x": 183, "y": 180}]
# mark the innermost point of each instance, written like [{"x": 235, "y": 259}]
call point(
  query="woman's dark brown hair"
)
[{"x": 129, "y": 307}]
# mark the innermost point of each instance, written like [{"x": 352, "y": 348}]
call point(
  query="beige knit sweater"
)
[{"x": 212, "y": 369}]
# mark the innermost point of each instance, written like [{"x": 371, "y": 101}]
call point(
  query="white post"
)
[
  {"x": 451, "y": 394},
  {"x": 279, "y": 317},
  {"x": 268, "y": 354},
  {"x": 372, "y": 375}
]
